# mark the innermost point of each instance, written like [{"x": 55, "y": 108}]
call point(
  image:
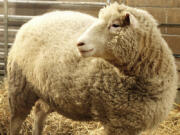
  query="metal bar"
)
[
  {"x": 10, "y": 30},
  {"x": 2, "y": 44},
  {"x": 63, "y": 3},
  {"x": 57, "y": 3},
  {"x": 169, "y": 25},
  {"x": 5, "y": 31},
  {"x": 17, "y": 18},
  {"x": 172, "y": 35},
  {"x": 176, "y": 55}
]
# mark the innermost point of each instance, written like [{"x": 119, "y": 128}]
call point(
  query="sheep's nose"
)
[{"x": 80, "y": 44}]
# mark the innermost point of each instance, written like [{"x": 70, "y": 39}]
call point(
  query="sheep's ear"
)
[
  {"x": 126, "y": 20},
  {"x": 130, "y": 20}
]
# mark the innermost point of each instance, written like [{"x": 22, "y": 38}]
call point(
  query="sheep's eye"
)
[{"x": 115, "y": 25}]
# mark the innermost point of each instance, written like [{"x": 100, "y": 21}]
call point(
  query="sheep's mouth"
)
[{"x": 85, "y": 51}]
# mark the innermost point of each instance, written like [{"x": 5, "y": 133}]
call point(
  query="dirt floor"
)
[{"x": 59, "y": 125}]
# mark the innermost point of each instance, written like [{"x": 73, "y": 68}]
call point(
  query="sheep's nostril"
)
[{"x": 80, "y": 44}]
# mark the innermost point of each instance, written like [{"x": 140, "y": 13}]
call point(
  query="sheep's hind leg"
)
[
  {"x": 40, "y": 113},
  {"x": 21, "y": 103},
  {"x": 19, "y": 112}
]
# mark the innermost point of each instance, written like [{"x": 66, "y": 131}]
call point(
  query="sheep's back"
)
[{"x": 47, "y": 40}]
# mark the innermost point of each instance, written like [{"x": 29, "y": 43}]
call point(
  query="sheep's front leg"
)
[{"x": 40, "y": 113}]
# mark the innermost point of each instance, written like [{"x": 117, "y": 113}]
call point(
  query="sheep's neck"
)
[
  {"x": 154, "y": 59},
  {"x": 146, "y": 67}
]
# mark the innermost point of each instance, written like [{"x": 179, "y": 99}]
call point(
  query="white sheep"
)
[
  {"x": 130, "y": 91},
  {"x": 129, "y": 39}
]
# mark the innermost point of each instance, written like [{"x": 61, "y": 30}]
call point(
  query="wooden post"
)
[{"x": 5, "y": 32}]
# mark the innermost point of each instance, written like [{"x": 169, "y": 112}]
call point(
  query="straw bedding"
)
[{"x": 59, "y": 125}]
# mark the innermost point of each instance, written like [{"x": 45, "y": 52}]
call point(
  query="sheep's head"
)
[{"x": 113, "y": 36}]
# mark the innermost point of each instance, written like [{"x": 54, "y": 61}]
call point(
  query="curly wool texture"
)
[
  {"x": 138, "y": 50},
  {"x": 44, "y": 63}
]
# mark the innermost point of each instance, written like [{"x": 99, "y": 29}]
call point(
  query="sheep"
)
[
  {"x": 129, "y": 83},
  {"x": 130, "y": 40}
]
